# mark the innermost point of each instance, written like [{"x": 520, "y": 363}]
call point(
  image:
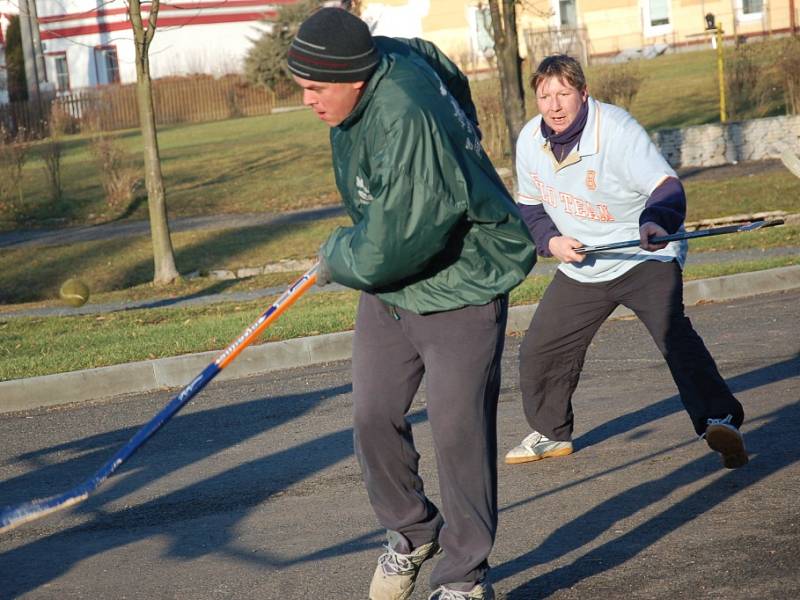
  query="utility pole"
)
[
  {"x": 716, "y": 28},
  {"x": 32, "y": 55}
]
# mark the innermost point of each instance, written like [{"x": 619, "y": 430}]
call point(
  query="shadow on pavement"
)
[
  {"x": 222, "y": 495},
  {"x": 597, "y": 520}
]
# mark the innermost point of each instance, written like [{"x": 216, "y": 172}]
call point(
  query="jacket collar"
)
[{"x": 366, "y": 96}]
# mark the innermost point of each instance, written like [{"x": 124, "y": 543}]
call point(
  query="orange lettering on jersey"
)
[
  {"x": 591, "y": 180},
  {"x": 572, "y": 205},
  {"x": 568, "y": 202},
  {"x": 547, "y": 193},
  {"x": 538, "y": 183},
  {"x": 604, "y": 215},
  {"x": 581, "y": 208}
]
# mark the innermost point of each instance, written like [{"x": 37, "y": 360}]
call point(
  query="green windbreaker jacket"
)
[{"x": 434, "y": 228}]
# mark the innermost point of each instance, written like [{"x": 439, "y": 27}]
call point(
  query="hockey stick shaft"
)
[
  {"x": 11, "y": 517},
  {"x": 681, "y": 235}
]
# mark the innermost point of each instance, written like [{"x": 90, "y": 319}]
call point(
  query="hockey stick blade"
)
[
  {"x": 11, "y": 517},
  {"x": 681, "y": 235}
]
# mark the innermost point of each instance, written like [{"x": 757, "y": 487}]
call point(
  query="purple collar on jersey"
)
[{"x": 562, "y": 143}]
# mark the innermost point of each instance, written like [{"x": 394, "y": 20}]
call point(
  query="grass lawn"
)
[{"x": 272, "y": 163}]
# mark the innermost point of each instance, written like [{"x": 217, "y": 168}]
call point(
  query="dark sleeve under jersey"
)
[
  {"x": 541, "y": 227},
  {"x": 666, "y": 206}
]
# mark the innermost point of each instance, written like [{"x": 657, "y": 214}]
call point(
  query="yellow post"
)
[{"x": 721, "y": 71}]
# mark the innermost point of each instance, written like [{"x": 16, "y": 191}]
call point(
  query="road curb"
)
[{"x": 150, "y": 375}]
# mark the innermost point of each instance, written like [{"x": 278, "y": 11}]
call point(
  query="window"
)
[
  {"x": 749, "y": 10},
  {"x": 567, "y": 14},
  {"x": 659, "y": 12},
  {"x": 106, "y": 64},
  {"x": 481, "y": 40},
  {"x": 62, "y": 72},
  {"x": 750, "y": 7},
  {"x": 657, "y": 18}
]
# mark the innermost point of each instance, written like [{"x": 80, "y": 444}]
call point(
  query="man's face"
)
[
  {"x": 558, "y": 102},
  {"x": 332, "y": 102}
]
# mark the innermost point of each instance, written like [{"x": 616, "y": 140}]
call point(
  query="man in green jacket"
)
[{"x": 435, "y": 246}]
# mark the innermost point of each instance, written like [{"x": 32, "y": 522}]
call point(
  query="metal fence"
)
[{"x": 176, "y": 100}]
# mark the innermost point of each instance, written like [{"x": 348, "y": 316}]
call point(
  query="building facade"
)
[
  {"x": 87, "y": 46},
  {"x": 594, "y": 28}
]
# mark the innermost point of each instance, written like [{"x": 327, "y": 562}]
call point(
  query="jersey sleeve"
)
[
  {"x": 643, "y": 165},
  {"x": 528, "y": 192}
]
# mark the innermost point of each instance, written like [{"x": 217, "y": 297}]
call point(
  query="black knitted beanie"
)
[{"x": 333, "y": 45}]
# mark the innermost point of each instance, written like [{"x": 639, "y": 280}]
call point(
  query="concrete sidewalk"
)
[{"x": 175, "y": 372}]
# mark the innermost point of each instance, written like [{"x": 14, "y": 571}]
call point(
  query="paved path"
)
[
  {"x": 253, "y": 491},
  {"x": 33, "y": 238}
]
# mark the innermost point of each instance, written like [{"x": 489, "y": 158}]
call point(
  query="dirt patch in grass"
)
[{"x": 721, "y": 172}]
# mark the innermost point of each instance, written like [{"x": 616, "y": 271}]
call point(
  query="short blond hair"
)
[{"x": 564, "y": 67}]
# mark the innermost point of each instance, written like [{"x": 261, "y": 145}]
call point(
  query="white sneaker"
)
[
  {"x": 396, "y": 573},
  {"x": 536, "y": 447},
  {"x": 482, "y": 591},
  {"x": 726, "y": 439}
]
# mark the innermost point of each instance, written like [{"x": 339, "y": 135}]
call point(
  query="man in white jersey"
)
[{"x": 589, "y": 174}]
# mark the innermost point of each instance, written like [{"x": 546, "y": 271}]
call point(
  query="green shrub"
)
[{"x": 616, "y": 84}]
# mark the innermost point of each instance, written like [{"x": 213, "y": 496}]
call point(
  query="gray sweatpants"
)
[
  {"x": 552, "y": 353},
  {"x": 459, "y": 352}
]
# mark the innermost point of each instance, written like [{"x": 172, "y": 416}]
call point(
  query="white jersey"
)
[{"x": 598, "y": 191}]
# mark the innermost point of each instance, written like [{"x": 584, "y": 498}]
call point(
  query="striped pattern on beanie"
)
[{"x": 333, "y": 45}]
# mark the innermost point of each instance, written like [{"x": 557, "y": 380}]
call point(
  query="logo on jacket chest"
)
[{"x": 364, "y": 195}]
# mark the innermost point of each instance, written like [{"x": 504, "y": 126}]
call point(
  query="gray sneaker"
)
[
  {"x": 396, "y": 573},
  {"x": 723, "y": 437},
  {"x": 536, "y": 447},
  {"x": 483, "y": 590}
]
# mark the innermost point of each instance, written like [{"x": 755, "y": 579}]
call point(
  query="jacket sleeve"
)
[{"x": 411, "y": 218}]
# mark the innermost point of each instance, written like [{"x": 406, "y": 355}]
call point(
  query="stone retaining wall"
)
[{"x": 720, "y": 144}]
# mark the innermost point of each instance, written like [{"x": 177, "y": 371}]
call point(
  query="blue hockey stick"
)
[{"x": 13, "y": 516}]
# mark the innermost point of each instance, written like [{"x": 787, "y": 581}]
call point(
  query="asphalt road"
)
[{"x": 253, "y": 491}]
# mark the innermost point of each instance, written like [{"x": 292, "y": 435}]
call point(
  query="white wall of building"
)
[
  {"x": 396, "y": 20},
  {"x": 208, "y": 36}
]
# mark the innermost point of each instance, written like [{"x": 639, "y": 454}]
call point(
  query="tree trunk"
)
[
  {"x": 163, "y": 254},
  {"x": 509, "y": 64}
]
